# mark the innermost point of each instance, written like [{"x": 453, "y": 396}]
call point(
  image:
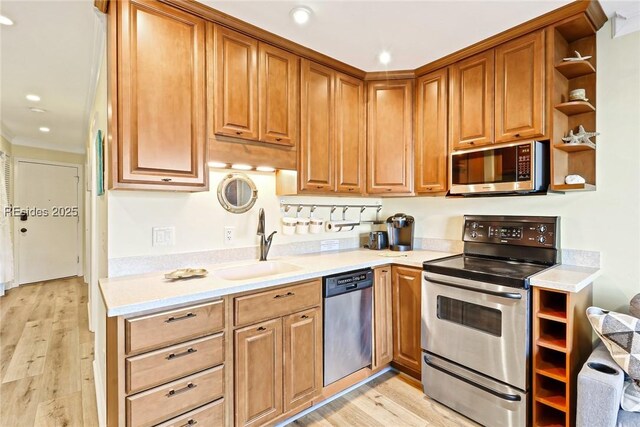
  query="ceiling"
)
[{"x": 50, "y": 51}]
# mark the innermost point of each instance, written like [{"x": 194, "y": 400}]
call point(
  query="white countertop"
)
[
  {"x": 563, "y": 277},
  {"x": 132, "y": 294}
]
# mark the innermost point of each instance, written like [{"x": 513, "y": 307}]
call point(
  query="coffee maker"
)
[{"x": 400, "y": 230}]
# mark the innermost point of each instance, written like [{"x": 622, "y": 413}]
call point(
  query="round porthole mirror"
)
[{"x": 237, "y": 193}]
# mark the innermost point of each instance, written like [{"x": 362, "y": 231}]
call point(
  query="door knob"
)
[{"x": 23, "y": 230}]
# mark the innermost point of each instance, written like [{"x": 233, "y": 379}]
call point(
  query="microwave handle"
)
[{"x": 510, "y": 295}]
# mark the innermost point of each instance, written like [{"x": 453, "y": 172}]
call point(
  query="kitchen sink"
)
[{"x": 255, "y": 270}]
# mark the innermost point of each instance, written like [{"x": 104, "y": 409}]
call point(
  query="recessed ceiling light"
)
[
  {"x": 241, "y": 167},
  {"x": 33, "y": 98},
  {"x": 5, "y": 21},
  {"x": 37, "y": 110},
  {"x": 384, "y": 57},
  {"x": 265, "y": 169},
  {"x": 301, "y": 14},
  {"x": 219, "y": 165},
  {"x": 44, "y": 129}
]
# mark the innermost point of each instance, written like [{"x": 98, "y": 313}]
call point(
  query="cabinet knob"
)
[
  {"x": 166, "y": 179},
  {"x": 471, "y": 142},
  {"x": 517, "y": 135}
]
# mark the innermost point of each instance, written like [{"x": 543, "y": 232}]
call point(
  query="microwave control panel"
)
[{"x": 524, "y": 162}]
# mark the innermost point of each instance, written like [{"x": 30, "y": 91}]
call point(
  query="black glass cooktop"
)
[{"x": 491, "y": 270}]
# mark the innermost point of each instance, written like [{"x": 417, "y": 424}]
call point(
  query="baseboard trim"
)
[
  {"x": 101, "y": 399},
  {"x": 334, "y": 397}
]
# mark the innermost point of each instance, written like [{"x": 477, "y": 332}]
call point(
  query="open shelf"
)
[
  {"x": 572, "y": 108},
  {"x": 573, "y": 69},
  {"x": 551, "y": 393},
  {"x": 547, "y": 416},
  {"x": 570, "y": 148},
  {"x": 551, "y": 363},
  {"x": 553, "y": 335},
  {"x": 574, "y": 187},
  {"x": 553, "y": 306}
]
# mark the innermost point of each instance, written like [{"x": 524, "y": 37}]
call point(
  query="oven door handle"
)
[
  {"x": 503, "y": 396},
  {"x": 510, "y": 295}
]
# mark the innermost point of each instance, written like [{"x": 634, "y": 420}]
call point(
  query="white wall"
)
[
  {"x": 607, "y": 220},
  {"x": 199, "y": 219}
]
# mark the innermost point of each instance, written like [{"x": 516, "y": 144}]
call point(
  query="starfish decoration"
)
[
  {"x": 578, "y": 57},
  {"x": 582, "y": 137}
]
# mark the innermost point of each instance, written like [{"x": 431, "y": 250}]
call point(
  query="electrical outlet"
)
[
  {"x": 163, "y": 236},
  {"x": 229, "y": 235}
]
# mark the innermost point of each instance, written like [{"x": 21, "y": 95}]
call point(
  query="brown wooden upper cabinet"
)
[
  {"x": 236, "y": 84},
  {"x": 472, "y": 106},
  {"x": 332, "y": 131},
  {"x": 278, "y": 94},
  {"x": 520, "y": 88},
  {"x": 160, "y": 138},
  {"x": 350, "y": 151},
  {"x": 256, "y": 89},
  {"x": 390, "y": 137},
  {"x": 317, "y": 148},
  {"x": 430, "y": 168}
]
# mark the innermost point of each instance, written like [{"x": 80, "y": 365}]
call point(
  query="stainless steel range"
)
[{"x": 476, "y": 315}]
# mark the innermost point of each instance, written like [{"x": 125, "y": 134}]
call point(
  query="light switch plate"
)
[
  {"x": 163, "y": 236},
  {"x": 329, "y": 245}
]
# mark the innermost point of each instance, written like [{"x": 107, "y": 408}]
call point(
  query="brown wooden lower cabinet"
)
[
  {"x": 258, "y": 376},
  {"x": 382, "y": 317},
  {"x": 406, "y": 298},
  {"x": 302, "y": 357}
]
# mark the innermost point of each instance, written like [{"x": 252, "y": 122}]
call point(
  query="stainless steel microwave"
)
[{"x": 511, "y": 168}]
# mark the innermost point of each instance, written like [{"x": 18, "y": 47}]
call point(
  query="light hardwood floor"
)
[
  {"x": 392, "y": 399},
  {"x": 46, "y": 356}
]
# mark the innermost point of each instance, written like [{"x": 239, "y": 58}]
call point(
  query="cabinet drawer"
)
[
  {"x": 275, "y": 303},
  {"x": 160, "y": 366},
  {"x": 161, "y": 403},
  {"x": 169, "y": 327},
  {"x": 208, "y": 415}
]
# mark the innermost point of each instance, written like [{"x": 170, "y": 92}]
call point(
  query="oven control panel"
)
[{"x": 518, "y": 231}]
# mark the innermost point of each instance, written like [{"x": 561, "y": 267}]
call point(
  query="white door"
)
[{"x": 47, "y": 237}]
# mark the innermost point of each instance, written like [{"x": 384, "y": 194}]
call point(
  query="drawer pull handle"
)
[
  {"x": 385, "y": 271},
  {"x": 278, "y": 139},
  {"x": 517, "y": 135},
  {"x": 191, "y": 422},
  {"x": 238, "y": 133},
  {"x": 175, "y": 319},
  {"x": 173, "y": 392},
  {"x": 262, "y": 328},
  {"x": 304, "y": 316},
  {"x": 288, "y": 294},
  {"x": 184, "y": 353},
  {"x": 166, "y": 179}
]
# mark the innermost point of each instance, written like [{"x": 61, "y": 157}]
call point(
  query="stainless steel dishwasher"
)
[{"x": 347, "y": 323}]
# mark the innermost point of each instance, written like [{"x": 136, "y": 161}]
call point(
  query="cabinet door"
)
[
  {"x": 161, "y": 103},
  {"x": 431, "y": 133},
  {"x": 390, "y": 137},
  {"x": 406, "y": 319},
  {"x": 317, "y": 131},
  {"x": 520, "y": 88},
  {"x": 472, "y": 91},
  {"x": 302, "y": 357},
  {"x": 382, "y": 317},
  {"x": 236, "y": 84},
  {"x": 258, "y": 373},
  {"x": 350, "y": 135},
  {"x": 278, "y": 94}
]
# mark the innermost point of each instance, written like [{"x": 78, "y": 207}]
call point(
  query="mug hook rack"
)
[{"x": 286, "y": 207}]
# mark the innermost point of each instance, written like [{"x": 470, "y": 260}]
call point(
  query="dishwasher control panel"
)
[{"x": 346, "y": 282}]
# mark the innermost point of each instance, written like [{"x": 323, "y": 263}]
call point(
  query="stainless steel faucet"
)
[{"x": 265, "y": 242}]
